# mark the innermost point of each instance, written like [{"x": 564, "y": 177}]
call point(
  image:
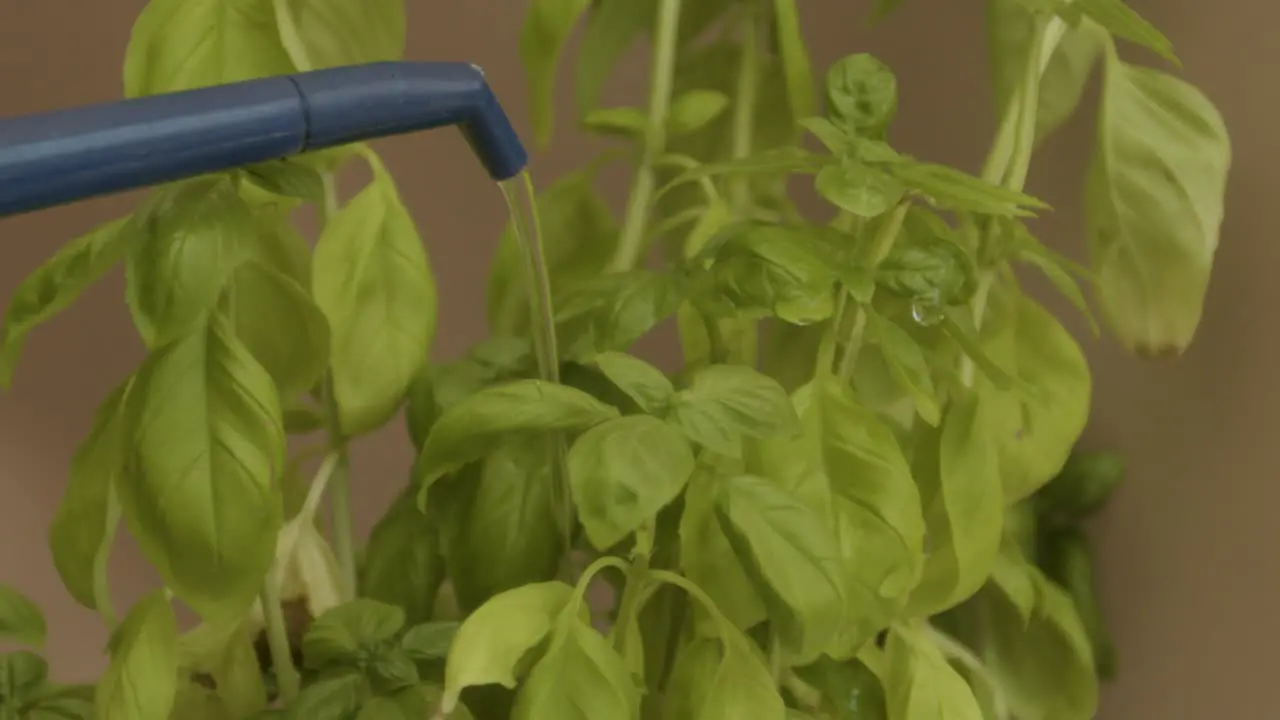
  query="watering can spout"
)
[{"x": 68, "y": 155}]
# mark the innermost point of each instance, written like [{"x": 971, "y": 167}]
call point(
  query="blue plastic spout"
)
[{"x": 63, "y": 156}]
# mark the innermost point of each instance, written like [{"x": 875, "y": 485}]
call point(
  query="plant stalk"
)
[
  {"x": 637, "y": 576},
  {"x": 871, "y": 255},
  {"x": 744, "y": 110},
  {"x": 287, "y": 678},
  {"x": 631, "y": 245}
]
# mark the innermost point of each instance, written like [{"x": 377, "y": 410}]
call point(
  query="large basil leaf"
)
[{"x": 142, "y": 679}]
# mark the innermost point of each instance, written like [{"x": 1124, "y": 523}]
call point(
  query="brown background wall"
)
[{"x": 1187, "y": 565}]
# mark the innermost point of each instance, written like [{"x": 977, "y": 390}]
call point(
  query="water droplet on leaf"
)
[{"x": 926, "y": 310}]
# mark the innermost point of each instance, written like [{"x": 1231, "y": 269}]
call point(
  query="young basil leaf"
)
[
  {"x": 184, "y": 44},
  {"x": 23, "y": 673},
  {"x": 694, "y": 109},
  {"x": 791, "y": 557},
  {"x": 1154, "y": 205},
  {"x": 392, "y": 670},
  {"x": 907, "y": 363},
  {"x": 777, "y": 161},
  {"x": 723, "y": 403},
  {"x": 953, "y": 189},
  {"x": 331, "y": 33},
  {"x": 196, "y": 234},
  {"x": 373, "y": 281},
  {"x": 499, "y": 641},
  {"x": 721, "y": 680},
  {"x": 1038, "y": 422},
  {"x": 708, "y": 560},
  {"x": 547, "y": 26},
  {"x": 1010, "y": 30},
  {"x": 1122, "y": 21},
  {"x": 964, "y": 505},
  {"x": 278, "y": 243},
  {"x": 835, "y": 139},
  {"x": 920, "y": 683},
  {"x": 287, "y": 178},
  {"x": 306, "y": 571},
  {"x": 1057, "y": 269},
  {"x": 623, "y": 471},
  {"x": 765, "y": 269},
  {"x": 281, "y": 326},
  {"x": 1079, "y": 489},
  {"x": 429, "y": 641},
  {"x": 614, "y": 310},
  {"x": 332, "y": 698},
  {"x": 850, "y": 690},
  {"x": 501, "y": 521},
  {"x": 199, "y": 494},
  {"x": 794, "y": 54},
  {"x": 403, "y": 565},
  {"x": 624, "y": 122},
  {"x": 580, "y": 677},
  {"x": 20, "y": 619},
  {"x": 641, "y": 381},
  {"x": 339, "y": 635},
  {"x": 579, "y": 238},
  {"x": 859, "y": 189},
  {"x": 467, "y": 431},
  {"x": 85, "y": 523},
  {"x": 142, "y": 679},
  {"x": 60, "y": 702},
  {"x": 1044, "y": 665},
  {"x": 612, "y": 27},
  {"x": 55, "y": 285},
  {"x": 862, "y": 93}
]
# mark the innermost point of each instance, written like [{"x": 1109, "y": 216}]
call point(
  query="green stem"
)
[
  {"x": 956, "y": 650},
  {"x": 744, "y": 111},
  {"x": 101, "y": 578},
  {"x": 871, "y": 256},
  {"x": 637, "y": 579},
  {"x": 631, "y": 245},
  {"x": 287, "y": 678}
]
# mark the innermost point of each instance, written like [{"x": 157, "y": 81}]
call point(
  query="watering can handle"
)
[{"x": 68, "y": 155}]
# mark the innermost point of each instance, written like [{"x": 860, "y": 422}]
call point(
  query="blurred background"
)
[{"x": 1186, "y": 548}]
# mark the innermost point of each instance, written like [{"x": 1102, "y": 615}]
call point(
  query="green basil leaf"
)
[
  {"x": 834, "y": 138},
  {"x": 1039, "y": 420},
  {"x": 501, "y": 527},
  {"x": 694, "y": 110},
  {"x": 1122, "y": 21},
  {"x": 429, "y": 641},
  {"x": 24, "y": 673},
  {"x": 850, "y": 690},
  {"x": 1066, "y": 558},
  {"x": 708, "y": 560},
  {"x": 85, "y": 523},
  {"x": 287, "y": 178},
  {"x": 403, "y": 565},
  {"x": 226, "y": 655},
  {"x": 20, "y": 619},
  {"x": 339, "y": 635},
  {"x": 497, "y": 643},
  {"x": 879, "y": 520},
  {"x": 467, "y": 431},
  {"x": 1080, "y": 488},
  {"x": 953, "y": 189},
  {"x": 908, "y": 364},
  {"x": 723, "y": 403},
  {"x": 196, "y": 234},
  {"x": 612, "y": 27},
  {"x": 721, "y": 680},
  {"x": 580, "y": 677},
  {"x": 862, "y": 93},
  {"x": 1154, "y": 205},
  {"x": 623, "y": 471},
  {"x": 1010, "y": 29},
  {"x": 960, "y": 488},
  {"x": 547, "y": 26},
  {"x": 281, "y": 326},
  {"x": 333, "y": 698},
  {"x": 792, "y": 558},
  {"x": 373, "y": 281},
  {"x": 770, "y": 269},
  {"x": 861, "y": 190},
  {"x": 794, "y": 52},
  {"x": 392, "y": 670},
  {"x": 1044, "y": 664},
  {"x": 331, "y": 33},
  {"x": 142, "y": 679},
  {"x": 642, "y": 382},
  {"x": 920, "y": 683},
  {"x": 62, "y": 702},
  {"x": 184, "y": 44},
  {"x": 579, "y": 237},
  {"x": 56, "y": 285},
  {"x": 200, "y": 493},
  {"x": 627, "y": 122}
]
